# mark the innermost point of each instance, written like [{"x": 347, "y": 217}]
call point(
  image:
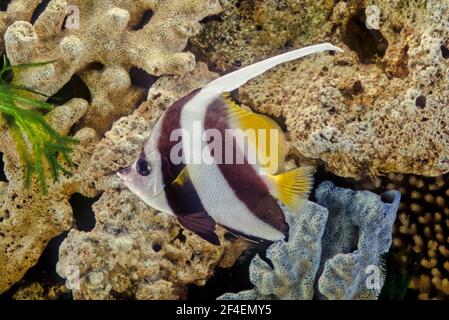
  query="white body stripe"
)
[
  {"x": 153, "y": 155},
  {"x": 217, "y": 196}
]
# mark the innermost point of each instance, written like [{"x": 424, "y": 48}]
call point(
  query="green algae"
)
[{"x": 40, "y": 147}]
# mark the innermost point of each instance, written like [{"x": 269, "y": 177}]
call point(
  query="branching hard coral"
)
[
  {"x": 112, "y": 33},
  {"x": 37, "y": 143},
  {"x": 422, "y": 232}
]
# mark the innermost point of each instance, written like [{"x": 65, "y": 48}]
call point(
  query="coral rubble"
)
[
  {"x": 378, "y": 107},
  {"x": 319, "y": 260}
]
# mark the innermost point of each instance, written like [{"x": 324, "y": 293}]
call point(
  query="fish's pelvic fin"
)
[
  {"x": 264, "y": 135},
  {"x": 292, "y": 188},
  {"x": 201, "y": 224},
  {"x": 182, "y": 178},
  {"x": 236, "y": 79}
]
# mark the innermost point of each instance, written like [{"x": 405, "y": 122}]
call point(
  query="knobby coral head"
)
[{"x": 40, "y": 147}]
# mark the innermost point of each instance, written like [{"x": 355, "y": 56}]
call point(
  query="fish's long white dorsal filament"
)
[{"x": 236, "y": 79}]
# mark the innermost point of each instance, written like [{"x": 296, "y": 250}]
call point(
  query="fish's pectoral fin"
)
[
  {"x": 264, "y": 134},
  {"x": 292, "y": 187},
  {"x": 201, "y": 224}
]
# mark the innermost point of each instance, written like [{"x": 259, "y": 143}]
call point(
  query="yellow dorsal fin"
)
[
  {"x": 292, "y": 188},
  {"x": 182, "y": 178},
  {"x": 264, "y": 135}
]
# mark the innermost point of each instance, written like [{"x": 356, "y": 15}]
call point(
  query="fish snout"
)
[{"x": 122, "y": 173}]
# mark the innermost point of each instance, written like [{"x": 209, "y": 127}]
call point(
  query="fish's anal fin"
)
[
  {"x": 292, "y": 188},
  {"x": 201, "y": 224},
  {"x": 264, "y": 134}
]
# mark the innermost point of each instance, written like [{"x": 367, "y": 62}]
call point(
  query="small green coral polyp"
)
[{"x": 39, "y": 146}]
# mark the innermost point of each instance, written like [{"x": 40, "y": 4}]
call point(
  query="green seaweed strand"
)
[{"x": 39, "y": 146}]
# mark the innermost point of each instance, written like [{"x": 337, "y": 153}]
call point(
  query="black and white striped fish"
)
[{"x": 242, "y": 196}]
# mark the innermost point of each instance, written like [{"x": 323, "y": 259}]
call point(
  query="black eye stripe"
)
[{"x": 143, "y": 167}]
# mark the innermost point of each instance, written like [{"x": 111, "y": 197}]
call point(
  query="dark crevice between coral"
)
[
  {"x": 142, "y": 79},
  {"x": 39, "y": 9},
  {"x": 226, "y": 280},
  {"x": 397, "y": 279},
  {"x": 445, "y": 52},
  {"x": 421, "y": 102},
  {"x": 2, "y": 169},
  {"x": 44, "y": 272},
  {"x": 369, "y": 44},
  {"x": 4, "y": 4},
  {"x": 180, "y": 236},
  {"x": 83, "y": 213},
  {"x": 98, "y": 66},
  {"x": 144, "y": 20},
  {"x": 214, "y": 17},
  {"x": 75, "y": 88},
  {"x": 156, "y": 247}
]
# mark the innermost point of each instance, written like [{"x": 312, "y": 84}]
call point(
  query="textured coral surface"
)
[
  {"x": 318, "y": 260},
  {"x": 378, "y": 107},
  {"x": 113, "y": 38},
  {"x": 422, "y": 233},
  {"x": 28, "y": 219}
]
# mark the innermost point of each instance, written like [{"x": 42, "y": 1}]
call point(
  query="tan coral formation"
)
[
  {"x": 29, "y": 219},
  {"x": 17, "y": 10},
  {"x": 249, "y": 30},
  {"x": 110, "y": 33},
  {"x": 381, "y": 106},
  {"x": 423, "y": 228},
  {"x": 134, "y": 251},
  {"x": 37, "y": 291}
]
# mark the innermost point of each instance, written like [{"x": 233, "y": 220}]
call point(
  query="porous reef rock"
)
[
  {"x": 319, "y": 261},
  {"x": 113, "y": 37},
  {"x": 36, "y": 291},
  {"x": 114, "y": 34},
  {"x": 134, "y": 251},
  {"x": 379, "y": 107},
  {"x": 29, "y": 219}
]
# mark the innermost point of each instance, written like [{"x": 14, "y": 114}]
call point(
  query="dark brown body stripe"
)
[
  {"x": 171, "y": 122},
  {"x": 243, "y": 179},
  {"x": 185, "y": 200}
]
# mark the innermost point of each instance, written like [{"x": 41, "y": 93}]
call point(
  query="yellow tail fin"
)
[{"x": 292, "y": 187}]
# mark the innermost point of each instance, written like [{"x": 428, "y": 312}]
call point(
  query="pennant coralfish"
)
[{"x": 209, "y": 161}]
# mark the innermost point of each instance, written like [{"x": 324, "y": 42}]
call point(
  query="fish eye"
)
[{"x": 143, "y": 167}]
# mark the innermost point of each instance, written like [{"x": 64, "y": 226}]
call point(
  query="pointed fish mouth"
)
[{"x": 122, "y": 173}]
